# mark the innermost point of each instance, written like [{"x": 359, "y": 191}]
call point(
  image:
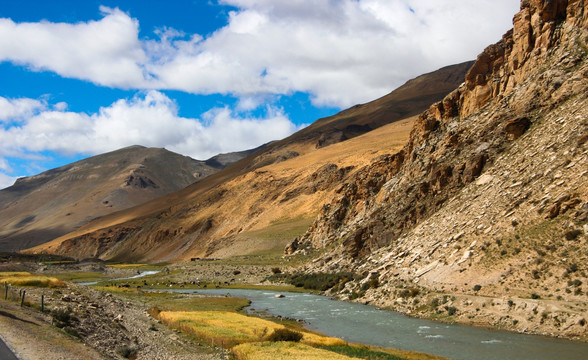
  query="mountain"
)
[
  {"x": 265, "y": 200},
  {"x": 39, "y": 208},
  {"x": 482, "y": 217}
]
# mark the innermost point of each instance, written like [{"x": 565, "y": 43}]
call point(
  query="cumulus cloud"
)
[
  {"x": 106, "y": 52},
  {"x": 150, "y": 119},
  {"x": 18, "y": 109},
  {"x": 342, "y": 52}
]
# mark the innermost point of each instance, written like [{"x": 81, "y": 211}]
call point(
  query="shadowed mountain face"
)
[
  {"x": 235, "y": 210},
  {"x": 39, "y": 208}
]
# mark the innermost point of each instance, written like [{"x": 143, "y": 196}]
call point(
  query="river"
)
[
  {"x": 139, "y": 275},
  {"x": 359, "y": 323}
]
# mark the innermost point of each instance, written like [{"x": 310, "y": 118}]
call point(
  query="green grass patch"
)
[
  {"x": 360, "y": 352},
  {"x": 316, "y": 281},
  {"x": 377, "y": 353}
]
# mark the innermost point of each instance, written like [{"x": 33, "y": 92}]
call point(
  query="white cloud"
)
[
  {"x": 106, "y": 52},
  {"x": 17, "y": 109},
  {"x": 6, "y": 181},
  {"x": 342, "y": 52},
  {"x": 150, "y": 120}
]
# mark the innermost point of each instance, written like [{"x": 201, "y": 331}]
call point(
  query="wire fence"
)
[{"x": 19, "y": 295}]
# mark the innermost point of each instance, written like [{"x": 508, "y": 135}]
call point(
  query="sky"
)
[{"x": 203, "y": 77}]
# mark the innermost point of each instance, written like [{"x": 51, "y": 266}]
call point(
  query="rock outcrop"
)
[{"x": 489, "y": 188}]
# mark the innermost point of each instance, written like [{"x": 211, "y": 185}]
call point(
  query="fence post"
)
[
  {"x": 42, "y": 303},
  {"x": 23, "y": 296},
  {"x": 6, "y": 290}
]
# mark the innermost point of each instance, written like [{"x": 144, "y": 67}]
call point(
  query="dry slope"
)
[
  {"x": 39, "y": 208},
  {"x": 279, "y": 188}
]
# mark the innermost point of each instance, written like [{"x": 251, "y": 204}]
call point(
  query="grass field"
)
[
  {"x": 232, "y": 328},
  {"x": 27, "y": 279}
]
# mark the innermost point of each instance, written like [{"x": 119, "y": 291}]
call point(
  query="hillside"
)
[
  {"x": 39, "y": 208},
  {"x": 482, "y": 217},
  {"x": 265, "y": 200}
]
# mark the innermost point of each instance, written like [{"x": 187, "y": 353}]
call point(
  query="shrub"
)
[
  {"x": 477, "y": 288},
  {"x": 316, "y": 281},
  {"x": 573, "y": 234},
  {"x": 276, "y": 270},
  {"x": 62, "y": 317},
  {"x": 572, "y": 268},
  {"x": 236, "y": 272},
  {"x": 412, "y": 292},
  {"x": 451, "y": 310},
  {"x": 535, "y": 296},
  {"x": 285, "y": 335},
  {"x": 126, "y": 351}
]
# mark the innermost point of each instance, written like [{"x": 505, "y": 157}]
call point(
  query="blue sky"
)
[{"x": 79, "y": 78}]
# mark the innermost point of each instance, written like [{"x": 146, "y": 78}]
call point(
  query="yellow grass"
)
[
  {"x": 232, "y": 328},
  {"x": 284, "y": 351},
  {"x": 116, "y": 289},
  {"x": 27, "y": 279},
  {"x": 14, "y": 274},
  {"x": 125, "y": 266}
]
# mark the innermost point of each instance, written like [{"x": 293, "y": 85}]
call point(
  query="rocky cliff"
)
[{"x": 482, "y": 216}]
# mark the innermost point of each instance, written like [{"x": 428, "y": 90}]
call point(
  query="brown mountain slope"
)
[
  {"x": 482, "y": 216},
  {"x": 39, "y": 208},
  {"x": 261, "y": 210},
  {"x": 213, "y": 217},
  {"x": 413, "y": 97},
  {"x": 408, "y": 100}
]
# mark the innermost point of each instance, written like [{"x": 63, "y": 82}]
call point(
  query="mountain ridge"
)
[
  {"x": 40, "y": 207},
  {"x": 188, "y": 223}
]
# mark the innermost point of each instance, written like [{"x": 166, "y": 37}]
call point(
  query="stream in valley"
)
[
  {"x": 358, "y": 323},
  {"x": 139, "y": 275}
]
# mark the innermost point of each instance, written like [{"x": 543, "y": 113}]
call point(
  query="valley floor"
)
[{"x": 112, "y": 320}]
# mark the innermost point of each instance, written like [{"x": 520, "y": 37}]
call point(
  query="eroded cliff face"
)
[{"x": 491, "y": 190}]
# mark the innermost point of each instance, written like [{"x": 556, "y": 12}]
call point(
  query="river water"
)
[
  {"x": 139, "y": 275},
  {"x": 368, "y": 325}
]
